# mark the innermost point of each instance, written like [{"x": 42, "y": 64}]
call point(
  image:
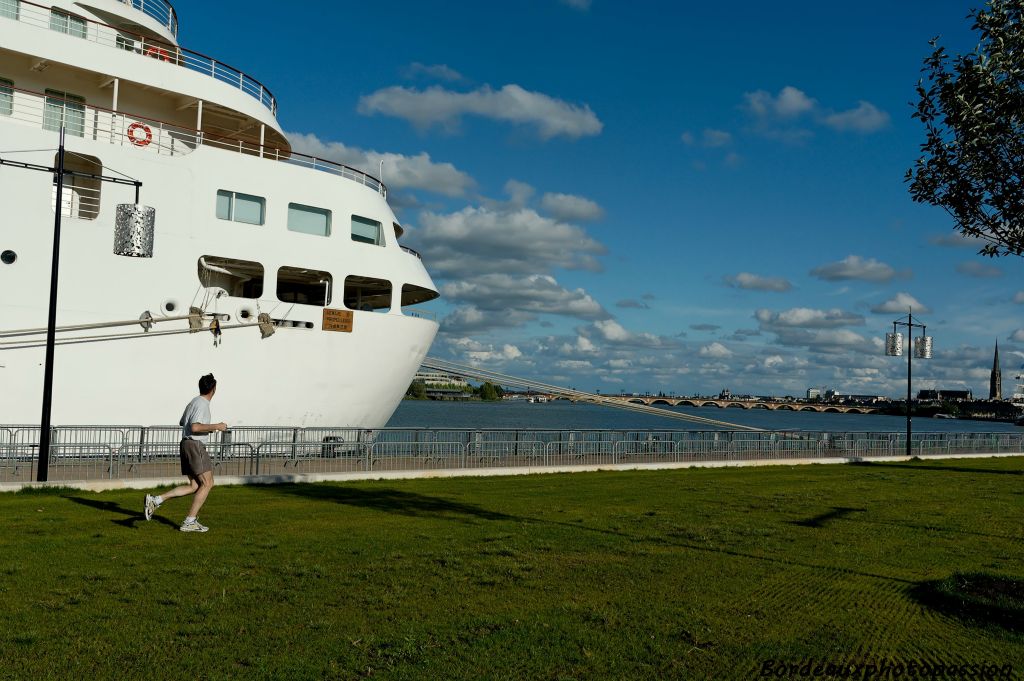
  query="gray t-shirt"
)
[{"x": 197, "y": 411}]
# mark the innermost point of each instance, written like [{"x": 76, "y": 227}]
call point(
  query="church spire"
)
[{"x": 995, "y": 384}]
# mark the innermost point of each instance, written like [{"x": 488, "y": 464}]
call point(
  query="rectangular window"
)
[
  {"x": 6, "y": 96},
  {"x": 367, "y": 231},
  {"x": 307, "y": 287},
  {"x": 10, "y": 8},
  {"x": 309, "y": 220},
  {"x": 62, "y": 22},
  {"x": 367, "y": 293},
  {"x": 63, "y": 109},
  {"x": 239, "y": 278},
  {"x": 240, "y": 207}
]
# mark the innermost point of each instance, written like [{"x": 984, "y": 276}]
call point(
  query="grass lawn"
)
[{"x": 701, "y": 573}]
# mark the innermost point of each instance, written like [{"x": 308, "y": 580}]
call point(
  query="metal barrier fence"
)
[{"x": 133, "y": 452}]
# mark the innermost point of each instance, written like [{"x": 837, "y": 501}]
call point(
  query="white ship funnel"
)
[{"x": 133, "y": 230}]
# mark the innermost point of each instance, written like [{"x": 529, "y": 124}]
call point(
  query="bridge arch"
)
[
  {"x": 636, "y": 400},
  {"x": 786, "y": 407},
  {"x": 809, "y": 409},
  {"x": 710, "y": 404},
  {"x": 661, "y": 401},
  {"x": 760, "y": 405},
  {"x": 734, "y": 405},
  {"x": 688, "y": 403},
  {"x": 832, "y": 410}
]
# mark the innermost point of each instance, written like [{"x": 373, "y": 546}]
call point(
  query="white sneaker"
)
[
  {"x": 151, "y": 506},
  {"x": 193, "y": 526}
]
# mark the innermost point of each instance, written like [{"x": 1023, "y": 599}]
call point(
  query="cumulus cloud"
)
[
  {"x": 956, "y": 240},
  {"x": 826, "y": 341},
  {"x": 855, "y": 267},
  {"x": 807, "y": 318},
  {"x": 477, "y": 353},
  {"x": 480, "y": 240},
  {"x": 571, "y": 208},
  {"x": 900, "y": 303},
  {"x": 754, "y": 282},
  {"x": 790, "y": 102},
  {"x": 635, "y": 304},
  {"x": 400, "y": 171},
  {"x": 436, "y": 71},
  {"x": 865, "y": 118},
  {"x": 715, "y": 350},
  {"x": 1017, "y": 336},
  {"x": 709, "y": 138},
  {"x": 610, "y": 331},
  {"x": 511, "y": 104},
  {"x": 979, "y": 270},
  {"x": 533, "y": 293}
]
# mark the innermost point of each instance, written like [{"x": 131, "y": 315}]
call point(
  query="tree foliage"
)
[{"x": 972, "y": 107}]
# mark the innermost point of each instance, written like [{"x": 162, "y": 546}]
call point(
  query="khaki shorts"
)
[{"x": 194, "y": 459}]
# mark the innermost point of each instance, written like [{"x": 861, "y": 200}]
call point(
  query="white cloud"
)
[
  {"x": 634, "y": 304},
  {"x": 477, "y": 353},
  {"x": 1017, "y": 336},
  {"x": 979, "y": 270},
  {"x": 754, "y": 282},
  {"x": 715, "y": 350},
  {"x": 612, "y": 332},
  {"x": 1019, "y": 297},
  {"x": 864, "y": 119},
  {"x": 709, "y": 138},
  {"x": 788, "y": 103},
  {"x": 436, "y": 71},
  {"x": 571, "y": 208},
  {"x": 855, "y": 267},
  {"x": 807, "y": 318},
  {"x": 957, "y": 240},
  {"x": 513, "y": 104},
  {"x": 573, "y": 364},
  {"x": 534, "y": 294},
  {"x": 899, "y": 304},
  {"x": 400, "y": 171},
  {"x": 480, "y": 240}
]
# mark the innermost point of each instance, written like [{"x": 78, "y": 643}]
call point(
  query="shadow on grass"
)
[
  {"x": 978, "y": 599},
  {"x": 132, "y": 517},
  {"x": 936, "y": 469},
  {"x": 838, "y": 512},
  {"x": 393, "y": 501}
]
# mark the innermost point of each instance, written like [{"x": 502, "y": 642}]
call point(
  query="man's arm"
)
[{"x": 199, "y": 428}]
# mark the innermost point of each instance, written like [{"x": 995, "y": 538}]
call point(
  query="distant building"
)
[
  {"x": 995, "y": 383},
  {"x": 439, "y": 379},
  {"x": 945, "y": 395},
  {"x": 813, "y": 393}
]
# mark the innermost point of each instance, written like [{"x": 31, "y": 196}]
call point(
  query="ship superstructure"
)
[{"x": 247, "y": 231}]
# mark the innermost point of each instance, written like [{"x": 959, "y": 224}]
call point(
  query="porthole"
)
[
  {"x": 170, "y": 307},
  {"x": 246, "y": 314},
  {"x": 8, "y": 257}
]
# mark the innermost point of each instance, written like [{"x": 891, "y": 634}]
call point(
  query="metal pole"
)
[
  {"x": 910, "y": 357},
  {"x": 42, "y": 469}
]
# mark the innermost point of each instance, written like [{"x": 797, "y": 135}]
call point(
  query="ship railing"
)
[
  {"x": 127, "y": 452},
  {"x": 160, "y": 10},
  {"x": 412, "y": 252},
  {"x": 137, "y": 45},
  {"x": 150, "y": 135}
]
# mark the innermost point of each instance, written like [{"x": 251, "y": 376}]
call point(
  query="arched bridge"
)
[{"x": 747, "y": 404}]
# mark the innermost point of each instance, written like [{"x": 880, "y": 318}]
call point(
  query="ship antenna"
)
[{"x": 380, "y": 172}]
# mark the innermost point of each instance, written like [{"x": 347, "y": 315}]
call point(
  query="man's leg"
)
[
  {"x": 205, "y": 482},
  {"x": 183, "y": 490}
]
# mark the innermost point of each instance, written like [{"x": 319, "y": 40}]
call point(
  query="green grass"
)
[{"x": 702, "y": 573}]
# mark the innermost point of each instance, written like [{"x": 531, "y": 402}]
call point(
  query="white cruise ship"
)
[{"x": 246, "y": 231}]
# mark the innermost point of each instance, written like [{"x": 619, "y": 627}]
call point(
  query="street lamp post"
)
[{"x": 922, "y": 350}]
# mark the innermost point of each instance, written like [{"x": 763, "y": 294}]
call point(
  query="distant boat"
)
[{"x": 943, "y": 416}]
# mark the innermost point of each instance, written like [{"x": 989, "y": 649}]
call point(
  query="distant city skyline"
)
[{"x": 650, "y": 196}]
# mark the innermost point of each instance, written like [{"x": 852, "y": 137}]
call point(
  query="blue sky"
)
[{"x": 653, "y": 195}]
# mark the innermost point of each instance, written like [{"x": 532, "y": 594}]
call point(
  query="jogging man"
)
[{"x": 196, "y": 426}]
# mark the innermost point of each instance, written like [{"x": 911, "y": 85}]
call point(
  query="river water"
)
[{"x": 563, "y": 415}]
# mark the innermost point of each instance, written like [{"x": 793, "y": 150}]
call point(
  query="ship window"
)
[
  {"x": 63, "y": 109},
  {"x": 67, "y": 23},
  {"x": 367, "y": 293},
  {"x": 307, "y": 287},
  {"x": 240, "y": 207},
  {"x": 239, "y": 278},
  {"x": 9, "y": 8},
  {"x": 81, "y": 195},
  {"x": 6, "y": 94},
  {"x": 412, "y": 294},
  {"x": 367, "y": 231},
  {"x": 309, "y": 220}
]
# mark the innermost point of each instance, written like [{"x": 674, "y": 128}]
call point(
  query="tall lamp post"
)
[
  {"x": 922, "y": 350},
  {"x": 141, "y": 247}
]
